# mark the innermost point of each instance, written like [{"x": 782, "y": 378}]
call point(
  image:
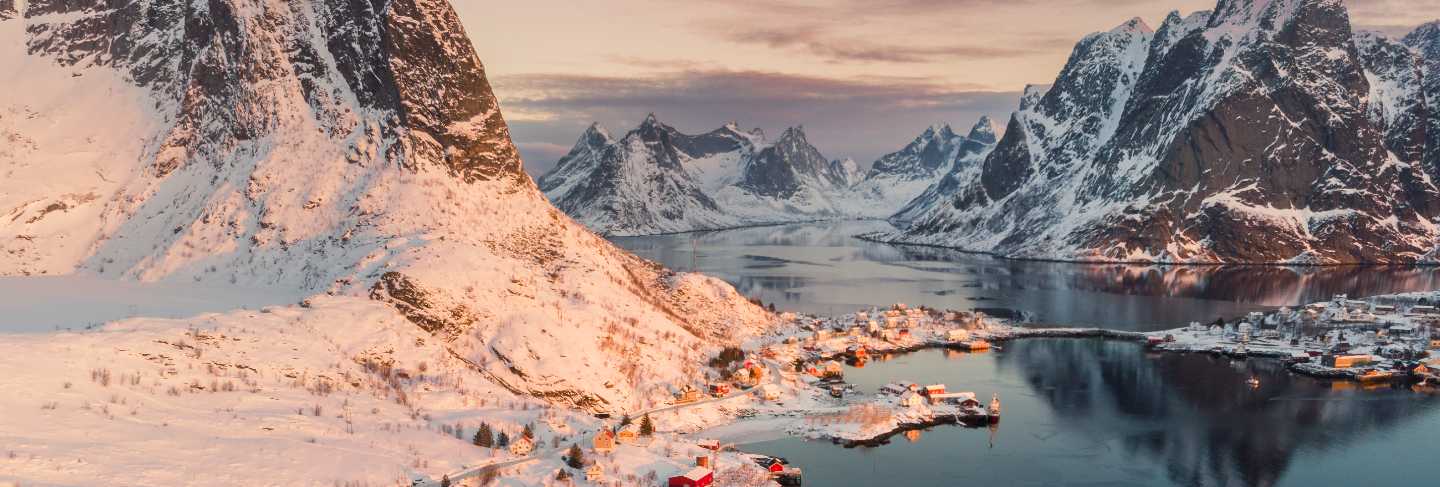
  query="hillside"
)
[
  {"x": 1259, "y": 132},
  {"x": 299, "y": 147}
]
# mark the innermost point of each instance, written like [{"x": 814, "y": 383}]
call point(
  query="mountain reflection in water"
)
[
  {"x": 1109, "y": 413},
  {"x": 821, "y": 268}
]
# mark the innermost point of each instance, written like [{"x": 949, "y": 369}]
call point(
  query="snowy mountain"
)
[
  {"x": 656, "y": 179},
  {"x": 1261, "y": 131},
  {"x": 897, "y": 178},
  {"x": 341, "y": 147},
  {"x": 1425, "y": 43}
]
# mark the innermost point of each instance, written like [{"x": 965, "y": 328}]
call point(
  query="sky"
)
[{"x": 864, "y": 77}]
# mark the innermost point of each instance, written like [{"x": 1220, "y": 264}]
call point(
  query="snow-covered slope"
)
[
  {"x": 1250, "y": 133},
  {"x": 656, "y": 179},
  {"x": 343, "y": 147},
  {"x": 899, "y": 177}
]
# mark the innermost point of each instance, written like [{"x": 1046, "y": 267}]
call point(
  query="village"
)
[{"x": 794, "y": 381}]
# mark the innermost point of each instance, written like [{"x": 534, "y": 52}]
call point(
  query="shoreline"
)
[
  {"x": 873, "y": 237},
  {"x": 742, "y": 227},
  {"x": 1009, "y": 333}
]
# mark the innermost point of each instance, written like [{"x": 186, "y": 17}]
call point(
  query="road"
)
[{"x": 480, "y": 470}]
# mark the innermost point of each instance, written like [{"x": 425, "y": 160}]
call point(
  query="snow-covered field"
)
[{"x": 52, "y": 303}]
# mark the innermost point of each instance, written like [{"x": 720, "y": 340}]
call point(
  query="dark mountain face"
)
[
  {"x": 1397, "y": 101},
  {"x": 200, "y": 58},
  {"x": 1425, "y": 40},
  {"x": 636, "y": 182},
  {"x": 783, "y": 168},
  {"x": 932, "y": 151},
  {"x": 723, "y": 139},
  {"x": 1261, "y": 132}
]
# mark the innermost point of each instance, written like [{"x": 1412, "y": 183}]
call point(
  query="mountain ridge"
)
[{"x": 1244, "y": 134}]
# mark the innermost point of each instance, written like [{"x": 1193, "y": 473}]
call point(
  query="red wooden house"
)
[
  {"x": 771, "y": 464},
  {"x": 698, "y": 477}
]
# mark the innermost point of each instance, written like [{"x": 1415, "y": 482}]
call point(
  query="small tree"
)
[
  {"x": 647, "y": 427},
  {"x": 529, "y": 431},
  {"x": 625, "y": 420},
  {"x": 484, "y": 437},
  {"x": 503, "y": 440},
  {"x": 575, "y": 458},
  {"x": 799, "y": 365},
  {"x": 445, "y": 481}
]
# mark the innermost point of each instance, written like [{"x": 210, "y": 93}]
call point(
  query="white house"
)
[
  {"x": 522, "y": 446},
  {"x": 911, "y": 399},
  {"x": 770, "y": 392}
]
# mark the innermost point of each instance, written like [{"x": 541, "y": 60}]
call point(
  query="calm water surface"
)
[
  {"x": 1084, "y": 412},
  {"x": 1092, "y": 412},
  {"x": 821, "y": 268}
]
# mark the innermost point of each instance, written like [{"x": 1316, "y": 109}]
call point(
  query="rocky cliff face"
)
[
  {"x": 787, "y": 166},
  {"x": 897, "y": 179},
  {"x": 1425, "y": 43},
  {"x": 1250, "y": 133},
  {"x": 637, "y": 182},
  {"x": 339, "y": 146}
]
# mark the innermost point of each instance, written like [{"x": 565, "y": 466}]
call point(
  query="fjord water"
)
[
  {"x": 1094, "y": 412},
  {"x": 1086, "y": 412},
  {"x": 821, "y": 268}
]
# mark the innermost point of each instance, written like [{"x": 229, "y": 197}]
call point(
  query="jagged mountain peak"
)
[
  {"x": 1426, "y": 38},
  {"x": 1260, "y": 131},
  {"x": 941, "y": 130},
  {"x": 346, "y": 147},
  {"x": 983, "y": 131},
  {"x": 1032, "y": 94},
  {"x": 1134, "y": 25},
  {"x": 596, "y": 134},
  {"x": 795, "y": 134}
]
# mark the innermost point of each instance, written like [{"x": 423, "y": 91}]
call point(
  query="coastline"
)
[{"x": 876, "y": 238}]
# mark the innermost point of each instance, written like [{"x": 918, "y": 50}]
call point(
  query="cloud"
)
[
  {"x": 818, "y": 41},
  {"x": 1392, "y": 15},
  {"x": 845, "y": 117}
]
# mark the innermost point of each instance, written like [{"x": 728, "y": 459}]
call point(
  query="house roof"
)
[{"x": 696, "y": 473}]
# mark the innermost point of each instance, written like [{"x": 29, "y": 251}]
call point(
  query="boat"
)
[
  {"x": 976, "y": 344},
  {"x": 995, "y": 407}
]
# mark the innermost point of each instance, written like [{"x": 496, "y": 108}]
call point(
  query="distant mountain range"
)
[
  {"x": 1257, "y": 132},
  {"x": 656, "y": 179},
  {"x": 1261, "y": 132}
]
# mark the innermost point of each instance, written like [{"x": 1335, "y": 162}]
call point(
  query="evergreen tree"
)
[
  {"x": 445, "y": 481},
  {"x": 503, "y": 441},
  {"x": 529, "y": 431},
  {"x": 647, "y": 428},
  {"x": 624, "y": 420},
  {"x": 576, "y": 458},
  {"x": 484, "y": 436},
  {"x": 799, "y": 365}
]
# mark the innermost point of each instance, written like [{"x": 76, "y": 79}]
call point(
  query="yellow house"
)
[
  {"x": 604, "y": 441},
  {"x": 594, "y": 473},
  {"x": 628, "y": 434}
]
